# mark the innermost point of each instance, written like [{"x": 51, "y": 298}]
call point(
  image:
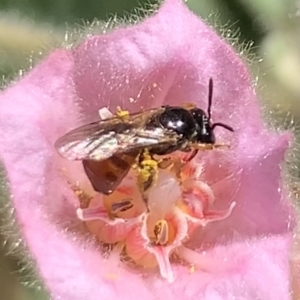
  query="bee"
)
[{"x": 109, "y": 148}]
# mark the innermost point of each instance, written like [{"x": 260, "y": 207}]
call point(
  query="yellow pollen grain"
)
[
  {"x": 192, "y": 269},
  {"x": 145, "y": 174},
  {"x": 123, "y": 114},
  {"x": 111, "y": 276},
  {"x": 82, "y": 196},
  {"x": 149, "y": 163},
  {"x": 183, "y": 207},
  {"x": 147, "y": 168}
]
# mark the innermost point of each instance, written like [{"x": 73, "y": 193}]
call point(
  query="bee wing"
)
[
  {"x": 106, "y": 175},
  {"x": 101, "y": 140}
]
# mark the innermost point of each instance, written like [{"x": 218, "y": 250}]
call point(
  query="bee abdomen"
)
[{"x": 119, "y": 161}]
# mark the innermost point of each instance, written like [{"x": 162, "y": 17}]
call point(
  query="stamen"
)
[
  {"x": 111, "y": 265},
  {"x": 202, "y": 261},
  {"x": 161, "y": 232},
  {"x": 162, "y": 255},
  {"x": 209, "y": 216},
  {"x": 217, "y": 215},
  {"x": 126, "y": 190},
  {"x": 121, "y": 206},
  {"x": 82, "y": 196},
  {"x": 188, "y": 171},
  {"x": 124, "y": 203},
  {"x": 200, "y": 189},
  {"x": 198, "y": 196},
  {"x": 92, "y": 213}
]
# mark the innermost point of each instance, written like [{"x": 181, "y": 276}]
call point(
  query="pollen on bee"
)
[
  {"x": 122, "y": 113},
  {"x": 147, "y": 170},
  {"x": 147, "y": 173},
  {"x": 150, "y": 163}
]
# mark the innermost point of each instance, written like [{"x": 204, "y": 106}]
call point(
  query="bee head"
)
[{"x": 205, "y": 128}]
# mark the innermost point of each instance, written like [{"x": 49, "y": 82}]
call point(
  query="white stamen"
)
[{"x": 104, "y": 113}]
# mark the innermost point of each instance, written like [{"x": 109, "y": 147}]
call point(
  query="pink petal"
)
[
  {"x": 169, "y": 58},
  {"x": 295, "y": 267},
  {"x": 94, "y": 213},
  {"x": 198, "y": 196},
  {"x": 162, "y": 255},
  {"x": 141, "y": 250},
  {"x": 262, "y": 206},
  {"x": 33, "y": 113},
  {"x": 257, "y": 270},
  {"x": 104, "y": 228},
  {"x": 217, "y": 215}
]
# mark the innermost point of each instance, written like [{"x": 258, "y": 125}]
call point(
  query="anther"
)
[
  {"x": 161, "y": 232},
  {"x": 121, "y": 206}
]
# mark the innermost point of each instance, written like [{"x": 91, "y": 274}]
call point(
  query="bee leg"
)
[
  {"x": 193, "y": 153},
  {"x": 177, "y": 168},
  {"x": 165, "y": 162},
  {"x": 188, "y": 106},
  {"x": 174, "y": 164},
  {"x": 203, "y": 147},
  {"x": 224, "y": 146},
  {"x": 177, "y": 164}
]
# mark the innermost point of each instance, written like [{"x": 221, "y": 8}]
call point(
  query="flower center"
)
[{"x": 149, "y": 235}]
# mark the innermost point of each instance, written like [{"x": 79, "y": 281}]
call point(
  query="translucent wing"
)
[
  {"x": 106, "y": 175},
  {"x": 101, "y": 140}
]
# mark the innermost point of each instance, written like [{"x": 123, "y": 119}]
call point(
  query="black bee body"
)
[
  {"x": 109, "y": 148},
  {"x": 191, "y": 126}
]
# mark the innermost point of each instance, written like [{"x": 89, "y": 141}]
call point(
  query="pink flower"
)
[{"x": 168, "y": 58}]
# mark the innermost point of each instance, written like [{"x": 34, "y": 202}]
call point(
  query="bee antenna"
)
[
  {"x": 222, "y": 125},
  {"x": 210, "y": 96}
]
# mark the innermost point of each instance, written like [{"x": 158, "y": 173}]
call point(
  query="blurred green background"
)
[{"x": 29, "y": 28}]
